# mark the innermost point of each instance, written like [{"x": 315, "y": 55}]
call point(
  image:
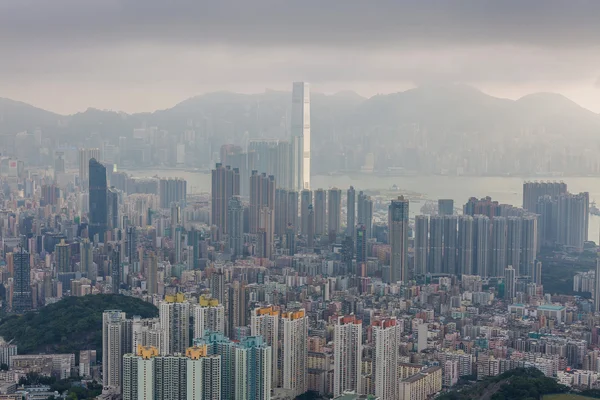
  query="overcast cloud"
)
[{"x": 140, "y": 55}]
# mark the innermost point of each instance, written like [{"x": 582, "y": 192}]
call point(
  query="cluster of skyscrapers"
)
[
  {"x": 272, "y": 211},
  {"x": 156, "y": 358},
  {"x": 467, "y": 245},
  {"x": 288, "y": 161}
]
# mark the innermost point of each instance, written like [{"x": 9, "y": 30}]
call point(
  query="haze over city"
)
[
  {"x": 299, "y": 200},
  {"x": 137, "y": 56}
]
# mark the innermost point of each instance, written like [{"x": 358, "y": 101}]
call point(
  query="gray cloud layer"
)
[
  {"x": 142, "y": 54},
  {"x": 548, "y": 23}
]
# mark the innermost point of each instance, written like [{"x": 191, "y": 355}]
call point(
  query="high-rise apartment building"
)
[
  {"x": 146, "y": 332},
  {"x": 286, "y": 210},
  {"x": 112, "y": 202},
  {"x": 306, "y": 200},
  {"x": 225, "y": 185},
  {"x": 217, "y": 285},
  {"x": 294, "y": 333},
  {"x": 21, "y": 299},
  {"x": 465, "y": 245},
  {"x": 253, "y": 367},
  {"x": 529, "y": 246},
  {"x": 62, "y": 257},
  {"x": 290, "y": 239},
  {"x": 536, "y": 272},
  {"x": 280, "y": 211},
  {"x": 386, "y": 334},
  {"x": 510, "y": 283},
  {"x": 264, "y": 322},
  {"x": 151, "y": 273},
  {"x": 450, "y": 244},
  {"x": 85, "y": 155},
  {"x": 361, "y": 248},
  {"x": 364, "y": 213},
  {"x": 98, "y": 214},
  {"x": 573, "y": 219},
  {"x": 532, "y": 191},
  {"x": 266, "y": 228},
  {"x": 445, "y": 207},
  {"x": 292, "y": 209},
  {"x": 300, "y": 136},
  {"x": 436, "y": 244},
  {"x": 547, "y": 211},
  {"x": 245, "y": 162},
  {"x": 351, "y": 212},
  {"x": 236, "y": 308},
  {"x": 481, "y": 243},
  {"x": 272, "y": 157},
  {"x": 398, "y": 231},
  {"x": 483, "y": 206},
  {"x": 172, "y": 190},
  {"x": 347, "y": 355},
  {"x": 262, "y": 195},
  {"x": 310, "y": 236},
  {"x": 514, "y": 241},
  {"x": 217, "y": 344},
  {"x": 209, "y": 315},
  {"x": 498, "y": 246},
  {"x": 86, "y": 258},
  {"x": 334, "y": 211},
  {"x": 421, "y": 244},
  {"x": 175, "y": 321},
  {"x": 116, "y": 341},
  {"x": 235, "y": 229},
  {"x": 320, "y": 208},
  {"x": 191, "y": 375}
]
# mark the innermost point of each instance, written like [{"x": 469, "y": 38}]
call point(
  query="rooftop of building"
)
[
  {"x": 421, "y": 374},
  {"x": 551, "y": 307}
]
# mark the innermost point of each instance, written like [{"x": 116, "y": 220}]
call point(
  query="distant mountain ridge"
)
[{"x": 439, "y": 108}]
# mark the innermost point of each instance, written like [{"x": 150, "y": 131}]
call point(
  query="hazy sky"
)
[{"x": 142, "y": 55}]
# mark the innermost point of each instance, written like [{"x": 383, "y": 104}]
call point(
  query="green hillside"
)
[
  {"x": 517, "y": 384},
  {"x": 70, "y": 325}
]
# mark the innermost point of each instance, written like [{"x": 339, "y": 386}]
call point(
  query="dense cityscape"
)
[{"x": 270, "y": 288}]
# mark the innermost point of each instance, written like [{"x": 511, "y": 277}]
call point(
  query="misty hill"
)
[
  {"x": 16, "y": 116},
  {"x": 437, "y": 107},
  {"x": 449, "y": 120}
]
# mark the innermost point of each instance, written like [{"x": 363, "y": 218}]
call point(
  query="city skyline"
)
[{"x": 408, "y": 212}]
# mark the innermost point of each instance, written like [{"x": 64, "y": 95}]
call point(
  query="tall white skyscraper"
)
[
  {"x": 294, "y": 328},
  {"x": 386, "y": 333},
  {"x": 116, "y": 341},
  {"x": 175, "y": 323},
  {"x": 208, "y": 315},
  {"x": 300, "y": 131},
  {"x": 347, "y": 355},
  {"x": 265, "y": 322}
]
